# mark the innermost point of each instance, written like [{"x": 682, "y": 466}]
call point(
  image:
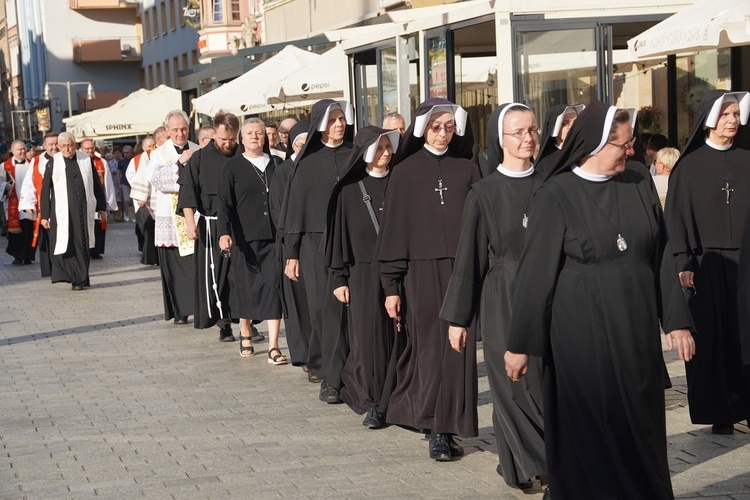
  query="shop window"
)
[{"x": 557, "y": 67}]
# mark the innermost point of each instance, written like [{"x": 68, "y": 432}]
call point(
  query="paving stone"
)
[{"x": 101, "y": 397}]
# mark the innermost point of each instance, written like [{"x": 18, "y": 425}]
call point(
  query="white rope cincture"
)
[{"x": 210, "y": 263}]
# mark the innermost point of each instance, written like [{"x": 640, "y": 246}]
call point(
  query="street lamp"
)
[{"x": 90, "y": 95}]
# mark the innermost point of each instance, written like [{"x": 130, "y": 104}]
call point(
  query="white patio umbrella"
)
[
  {"x": 707, "y": 24},
  {"x": 321, "y": 79},
  {"x": 139, "y": 113},
  {"x": 245, "y": 94}
]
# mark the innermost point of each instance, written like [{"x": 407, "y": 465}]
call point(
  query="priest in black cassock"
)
[
  {"x": 557, "y": 124},
  {"x": 293, "y": 299},
  {"x": 707, "y": 201},
  {"x": 317, "y": 169},
  {"x": 484, "y": 272},
  {"x": 354, "y": 214},
  {"x": 595, "y": 279},
  {"x": 199, "y": 187},
  {"x": 71, "y": 195},
  {"x": 245, "y": 229},
  {"x": 436, "y": 387}
]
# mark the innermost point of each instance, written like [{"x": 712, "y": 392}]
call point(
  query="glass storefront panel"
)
[
  {"x": 476, "y": 91},
  {"x": 366, "y": 88},
  {"x": 697, "y": 74},
  {"x": 389, "y": 80},
  {"x": 557, "y": 67},
  {"x": 437, "y": 69}
]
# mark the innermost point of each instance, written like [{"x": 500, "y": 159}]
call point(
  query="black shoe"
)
[
  {"x": 96, "y": 256},
  {"x": 255, "y": 335},
  {"x": 456, "y": 449},
  {"x": 28, "y": 262},
  {"x": 313, "y": 379},
  {"x": 181, "y": 320},
  {"x": 328, "y": 394},
  {"x": 722, "y": 429},
  {"x": 439, "y": 448},
  {"x": 77, "y": 287},
  {"x": 373, "y": 419},
  {"x": 17, "y": 262},
  {"x": 225, "y": 334}
]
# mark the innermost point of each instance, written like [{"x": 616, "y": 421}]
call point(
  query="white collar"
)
[
  {"x": 329, "y": 145},
  {"x": 260, "y": 162},
  {"x": 435, "y": 151},
  {"x": 376, "y": 175},
  {"x": 717, "y": 147},
  {"x": 588, "y": 176},
  {"x": 515, "y": 174}
]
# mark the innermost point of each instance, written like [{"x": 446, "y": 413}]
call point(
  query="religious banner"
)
[{"x": 42, "y": 118}]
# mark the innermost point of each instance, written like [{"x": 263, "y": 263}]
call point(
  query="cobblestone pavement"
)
[{"x": 101, "y": 397}]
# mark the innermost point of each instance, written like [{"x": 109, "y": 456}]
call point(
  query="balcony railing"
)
[
  {"x": 87, "y": 50},
  {"x": 103, "y": 4}
]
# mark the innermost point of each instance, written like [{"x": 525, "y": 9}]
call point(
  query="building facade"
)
[
  {"x": 66, "y": 47},
  {"x": 170, "y": 40}
]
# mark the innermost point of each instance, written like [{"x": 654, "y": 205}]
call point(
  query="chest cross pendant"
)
[
  {"x": 440, "y": 190},
  {"x": 728, "y": 190}
]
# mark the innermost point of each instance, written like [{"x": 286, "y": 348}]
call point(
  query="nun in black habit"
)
[
  {"x": 293, "y": 299},
  {"x": 707, "y": 202},
  {"x": 436, "y": 387},
  {"x": 595, "y": 278},
  {"x": 317, "y": 169},
  {"x": 354, "y": 214},
  {"x": 245, "y": 227},
  {"x": 557, "y": 124},
  {"x": 484, "y": 272}
]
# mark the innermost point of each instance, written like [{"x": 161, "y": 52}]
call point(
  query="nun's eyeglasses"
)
[
  {"x": 520, "y": 134},
  {"x": 448, "y": 127},
  {"x": 625, "y": 146}
]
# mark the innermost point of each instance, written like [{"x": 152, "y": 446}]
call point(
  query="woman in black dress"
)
[{"x": 246, "y": 229}]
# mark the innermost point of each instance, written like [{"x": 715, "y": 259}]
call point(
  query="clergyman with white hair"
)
[
  {"x": 71, "y": 196},
  {"x": 175, "y": 249}
]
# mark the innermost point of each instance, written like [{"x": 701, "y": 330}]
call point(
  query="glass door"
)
[
  {"x": 438, "y": 69},
  {"x": 560, "y": 67},
  {"x": 366, "y": 92}
]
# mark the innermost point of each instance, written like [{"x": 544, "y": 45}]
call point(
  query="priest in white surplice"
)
[{"x": 175, "y": 249}]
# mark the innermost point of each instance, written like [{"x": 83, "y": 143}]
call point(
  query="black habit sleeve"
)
[
  {"x": 189, "y": 185},
  {"x": 227, "y": 200},
  {"x": 469, "y": 268},
  {"x": 46, "y": 201},
  {"x": 340, "y": 247},
  {"x": 538, "y": 271}
]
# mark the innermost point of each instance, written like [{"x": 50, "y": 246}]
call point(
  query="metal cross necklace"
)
[
  {"x": 440, "y": 187},
  {"x": 728, "y": 190},
  {"x": 622, "y": 245},
  {"x": 525, "y": 210}
]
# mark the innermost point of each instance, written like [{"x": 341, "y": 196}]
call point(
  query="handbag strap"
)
[{"x": 368, "y": 201}]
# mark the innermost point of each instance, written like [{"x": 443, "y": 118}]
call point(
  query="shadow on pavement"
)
[
  {"x": 80, "y": 329},
  {"x": 110, "y": 284}
]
